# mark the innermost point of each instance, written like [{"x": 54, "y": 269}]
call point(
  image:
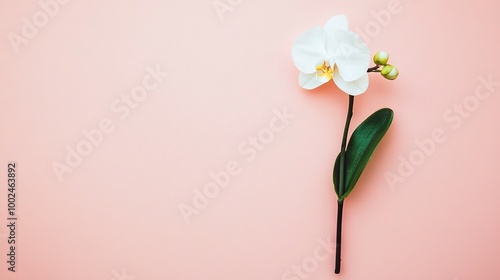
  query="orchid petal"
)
[
  {"x": 351, "y": 54},
  {"x": 309, "y": 49},
  {"x": 355, "y": 87},
  {"x": 311, "y": 81},
  {"x": 336, "y": 23}
]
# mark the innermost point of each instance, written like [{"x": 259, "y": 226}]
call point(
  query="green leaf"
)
[{"x": 360, "y": 148}]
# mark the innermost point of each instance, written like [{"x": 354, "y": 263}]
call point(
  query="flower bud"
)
[
  {"x": 381, "y": 58},
  {"x": 390, "y": 72}
]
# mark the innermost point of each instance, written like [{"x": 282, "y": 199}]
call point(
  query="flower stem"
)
[
  {"x": 343, "y": 146},
  {"x": 342, "y": 184},
  {"x": 340, "y": 207}
]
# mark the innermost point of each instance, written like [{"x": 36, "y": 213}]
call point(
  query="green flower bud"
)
[
  {"x": 381, "y": 58},
  {"x": 390, "y": 72}
]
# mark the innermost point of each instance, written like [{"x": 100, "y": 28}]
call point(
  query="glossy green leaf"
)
[{"x": 360, "y": 148}]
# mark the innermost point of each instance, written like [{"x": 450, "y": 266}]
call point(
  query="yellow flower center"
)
[{"x": 324, "y": 71}]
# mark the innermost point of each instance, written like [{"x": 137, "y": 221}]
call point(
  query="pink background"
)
[{"x": 116, "y": 215}]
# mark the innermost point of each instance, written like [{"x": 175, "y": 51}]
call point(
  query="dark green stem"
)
[
  {"x": 342, "y": 184},
  {"x": 343, "y": 146},
  {"x": 340, "y": 207}
]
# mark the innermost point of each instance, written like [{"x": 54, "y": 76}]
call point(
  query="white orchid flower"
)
[{"x": 332, "y": 52}]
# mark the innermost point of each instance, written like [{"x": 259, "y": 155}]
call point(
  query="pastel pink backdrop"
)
[{"x": 117, "y": 212}]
